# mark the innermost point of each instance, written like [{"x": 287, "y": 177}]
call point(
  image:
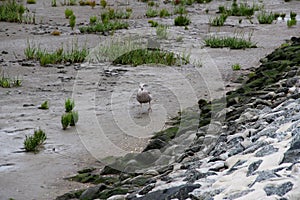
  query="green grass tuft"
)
[
  {"x": 32, "y": 143},
  {"x": 231, "y": 42}
]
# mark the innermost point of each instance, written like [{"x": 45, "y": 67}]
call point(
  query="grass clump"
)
[
  {"x": 70, "y": 117},
  {"x": 292, "y": 22},
  {"x": 151, "y": 13},
  {"x": 236, "y": 67},
  {"x": 148, "y": 56},
  {"x": 69, "y": 105},
  {"x": 72, "y": 21},
  {"x": 153, "y": 23},
  {"x": 241, "y": 9},
  {"x": 68, "y": 13},
  {"x": 10, "y": 11},
  {"x": 103, "y": 3},
  {"x": 162, "y": 31},
  {"x": 182, "y": 21},
  {"x": 7, "y": 82},
  {"x": 75, "y": 55},
  {"x": 265, "y": 18},
  {"x": 65, "y": 120},
  {"x": 31, "y": 1},
  {"x": 181, "y": 10},
  {"x": 231, "y": 42},
  {"x": 32, "y": 143},
  {"x": 104, "y": 27},
  {"x": 164, "y": 13},
  {"x": 219, "y": 20},
  {"x": 44, "y": 105}
]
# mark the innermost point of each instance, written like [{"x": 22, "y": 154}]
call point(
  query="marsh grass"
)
[
  {"x": 235, "y": 42},
  {"x": 8, "y": 82},
  {"x": 44, "y": 105},
  {"x": 11, "y": 11},
  {"x": 265, "y": 18},
  {"x": 182, "y": 21},
  {"x": 31, "y": 1},
  {"x": 236, "y": 67},
  {"x": 65, "y": 120},
  {"x": 162, "y": 31},
  {"x": 104, "y": 27},
  {"x": 151, "y": 12},
  {"x": 33, "y": 142},
  {"x": 219, "y": 20},
  {"x": 112, "y": 49},
  {"x": 241, "y": 9},
  {"x": 164, "y": 13},
  {"x": 74, "y": 55},
  {"x": 69, "y": 105},
  {"x": 149, "y": 56},
  {"x": 68, "y": 13}
]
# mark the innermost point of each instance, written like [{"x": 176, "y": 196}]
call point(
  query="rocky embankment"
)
[{"x": 244, "y": 146}]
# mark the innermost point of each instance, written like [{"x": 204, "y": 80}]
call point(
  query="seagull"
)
[{"x": 143, "y": 96}]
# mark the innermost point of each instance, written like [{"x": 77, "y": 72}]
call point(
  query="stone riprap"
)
[{"x": 254, "y": 153}]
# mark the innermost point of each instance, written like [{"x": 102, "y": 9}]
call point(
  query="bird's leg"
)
[{"x": 149, "y": 109}]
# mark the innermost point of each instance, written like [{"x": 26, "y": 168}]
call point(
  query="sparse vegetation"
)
[
  {"x": 182, "y": 21},
  {"x": 241, "y": 9},
  {"x": 70, "y": 117},
  {"x": 65, "y": 120},
  {"x": 10, "y": 11},
  {"x": 7, "y": 82},
  {"x": 53, "y": 3},
  {"x": 32, "y": 143},
  {"x": 151, "y": 13},
  {"x": 162, "y": 31},
  {"x": 265, "y": 18},
  {"x": 104, "y": 27},
  {"x": 219, "y": 20},
  {"x": 75, "y": 55},
  {"x": 235, "y": 42},
  {"x": 292, "y": 21},
  {"x": 153, "y": 23},
  {"x": 68, "y": 13},
  {"x": 103, "y": 3},
  {"x": 236, "y": 67},
  {"x": 69, "y": 105},
  {"x": 181, "y": 10},
  {"x": 164, "y": 13},
  {"x": 72, "y": 21},
  {"x": 149, "y": 56},
  {"x": 93, "y": 19},
  {"x": 74, "y": 118},
  {"x": 44, "y": 105},
  {"x": 31, "y": 1}
]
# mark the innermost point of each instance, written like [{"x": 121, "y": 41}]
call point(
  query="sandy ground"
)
[{"x": 111, "y": 121}]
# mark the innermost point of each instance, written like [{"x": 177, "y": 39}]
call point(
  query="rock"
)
[
  {"x": 264, "y": 175},
  {"x": 179, "y": 192},
  {"x": 117, "y": 197},
  {"x": 292, "y": 155},
  {"x": 193, "y": 175},
  {"x": 155, "y": 144},
  {"x": 278, "y": 190},
  {"x": 109, "y": 170},
  {"x": 92, "y": 192},
  {"x": 239, "y": 194},
  {"x": 146, "y": 189},
  {"x": 253, "y": 167},
  {"x": 266, "y": 150},
  {"x": 236, "y": 166}
]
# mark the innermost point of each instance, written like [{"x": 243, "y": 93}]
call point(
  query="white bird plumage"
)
[{"x": 143, "y": 96}]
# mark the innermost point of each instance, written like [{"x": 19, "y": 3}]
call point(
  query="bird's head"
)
[{"x": 142, "y": 85}]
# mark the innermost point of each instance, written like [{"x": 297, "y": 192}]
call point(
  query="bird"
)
[{"x": 143, "y": 96}]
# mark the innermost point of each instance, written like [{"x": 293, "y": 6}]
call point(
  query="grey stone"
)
[
  {"x": 292, "y": 155},
  {"x": 178, "y": 192},
  {"x": 266, "y": 150},
  {"x": 239, "y": 194},
  {"x": 264, "y": 175},
  {"x": 279, "y": 190},
  {"x": 92, "y": 192},
  {"x": 193, "y": 175},
  {"x": 236, "y": 166},
  {"x": 146, "y": 189},
  {"x": 253, "y": 167}
]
